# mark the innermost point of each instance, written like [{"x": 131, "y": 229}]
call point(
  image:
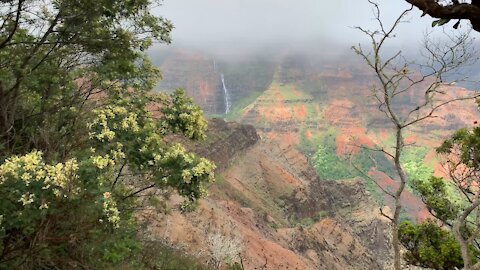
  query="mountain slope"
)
[
  {"x": 288, "y": 190},
  {"x": 271, "y": 199}
]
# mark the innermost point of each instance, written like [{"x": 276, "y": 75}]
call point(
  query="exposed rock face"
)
[
  {"x": 264, "y": 198},
  {"x": 194, "y": 72},
  {"x": 200, "y": 74},
  {"x": 349, "y": 204},
  {"x": 269, "y": 195},
  {"x": 225, "y": 141},
  {"x": 331, "y": 245}
]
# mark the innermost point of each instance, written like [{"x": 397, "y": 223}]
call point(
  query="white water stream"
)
[{"x": 226, "y": 95}]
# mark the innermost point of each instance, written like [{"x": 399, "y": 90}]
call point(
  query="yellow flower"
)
[
  {"x": 71, "y": 166},
  {"x": 26, "y": 177},
  {"x": 108, "y": 134},
  {"x": 118, "y": 154},
  {"x": 157, "y": 157},
  {"x": 187, "y": 176},
  {"x": 10, "y": 166},
  {"x": 40, "y": 174},
  {"x": 31, "y": 167},
  {"x": 102, "y": 162},
  {"x": 27, "y": 198},
  {"x": 125, "y": 124},
  {"x": 110, "y": 210}
]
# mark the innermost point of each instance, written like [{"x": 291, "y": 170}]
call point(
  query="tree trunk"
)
[
  {"x": 396, "y": 247},
  {"x": 467, "y": 261},
  {"x": 398, "y": 205}
]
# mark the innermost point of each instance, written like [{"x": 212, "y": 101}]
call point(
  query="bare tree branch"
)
[{"x": 399, "y": 78}]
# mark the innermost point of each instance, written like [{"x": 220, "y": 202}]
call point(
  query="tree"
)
[
  {"x": 430, "y": 246},
  {"x": 450, "y": 10},
  {"x": 82, "y": 137},
  {"x": 399, "y": 78},
  {"x": 55, "y": 55},
  {"x": 458, "y": 208}
]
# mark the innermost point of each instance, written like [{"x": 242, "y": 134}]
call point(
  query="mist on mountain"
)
[
  {"x": 250, "y": 23},
  {"x": 241, "y": 29}
]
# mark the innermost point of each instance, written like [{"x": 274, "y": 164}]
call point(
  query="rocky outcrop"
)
[
  {"x": 267, "y": 193},
  {"x": 269, "y": 199},
  {"x": 225, "y": 141},
  {"x": 195, "y": 72},
  {"x": 347, "y": 203},
  {"x": 331, "y": 245},
  {"x": 200, "y": 74}
]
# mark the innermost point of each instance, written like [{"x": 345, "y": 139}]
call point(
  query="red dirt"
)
[
  {"x": 411, "y": 139},
  {"x": 300, "y": 112},
  {"x": 412, "y": 204},
  {"x": 277, "y": 111},
  {"x": 351, "y": 140},
  {"x": 309, "y": 134}
]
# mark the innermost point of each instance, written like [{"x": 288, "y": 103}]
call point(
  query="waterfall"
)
[{"x": 226, "y": 95}]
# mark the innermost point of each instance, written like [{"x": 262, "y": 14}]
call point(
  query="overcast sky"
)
[{"x": 258, "y": 22}]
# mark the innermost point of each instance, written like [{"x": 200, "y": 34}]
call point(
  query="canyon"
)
[{"x": 270, "y": 194}]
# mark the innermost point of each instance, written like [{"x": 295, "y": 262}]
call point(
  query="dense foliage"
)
[
  {"x": 430, "y": 246},
  {"x": 332, "y": 167},
  {"x": 413, "y": 161},
  {"x": 81, "y": 135},
  {"x": 455, "y": 202},
  {"x": 435, "y": 195}
]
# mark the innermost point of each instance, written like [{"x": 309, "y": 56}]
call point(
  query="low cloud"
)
[{"x": 250, "y": 23}]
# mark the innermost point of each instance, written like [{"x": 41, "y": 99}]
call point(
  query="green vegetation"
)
[
  {"x": 313, "y": 115},
  {"x": 413, "y": 160},
  {"x": 430, "y": 246},
  {"x": 326, "y": 161},
  {"x": 248, "y": 79},
  {"x": 290, "y": 93},
  {"x": 320, "y": 215},
  {"x": 331, "y": 167},
  {"x": 434, "y": 193},
  {"x": 454, "y": 203},
  {"x": 274, "y": 225},
  {"x": 306, "y": 223},
  {"x": 235, "y": 266},
  {"x": 316, "y": 88},
  {"x": 82, "y": 137},
  {"x": 322, "y": 152},
  {"x": 307, "y": 146},
  {"x": 156, "y": 255},
  {"x": 240, "y": 105}
]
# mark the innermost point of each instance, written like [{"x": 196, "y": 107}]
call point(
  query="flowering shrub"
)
[
  {"x": 29, "y": 187},
  {"x": 110, "y": 209},
  {"x": 79, "y": 141},
  {"x": 124, "y": 150},
  {"x": 126, "y": 133}
]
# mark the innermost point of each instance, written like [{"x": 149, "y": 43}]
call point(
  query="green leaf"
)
[{"x": 440, "y": 22}]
